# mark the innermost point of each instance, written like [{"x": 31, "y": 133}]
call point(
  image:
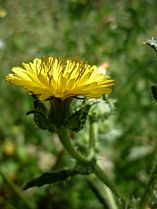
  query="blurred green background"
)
[{"x": 96, "y": 31}]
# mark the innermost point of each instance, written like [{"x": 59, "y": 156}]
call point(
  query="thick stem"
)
[
  {"x": 70, "y": 148},
  {"x": 105, "y": 179},
  {"x": 109, "y": 198},
  {"x": 98, "y": 171},
  {"x": 98, "y": 192}
]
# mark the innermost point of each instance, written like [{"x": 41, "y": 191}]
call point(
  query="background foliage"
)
[{"x": 97, "y": 31}]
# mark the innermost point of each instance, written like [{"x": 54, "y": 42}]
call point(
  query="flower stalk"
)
[{"x": 66, "y": 142}]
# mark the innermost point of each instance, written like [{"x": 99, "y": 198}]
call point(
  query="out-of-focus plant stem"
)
[
  {"x": 93, "y": 133},
  {"x": 109, "y": 197},
  {"x": 148, "y": 193},
  {"x": 63, "y": 135},
  {"x": 93, "y": 137},
  {"x": 103, "y": 194},
  {"x": 6, "y": 203},
  {"x": 17, "y": 191}
]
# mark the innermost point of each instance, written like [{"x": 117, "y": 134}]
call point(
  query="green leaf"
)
[{"x": 56, "y": 176}]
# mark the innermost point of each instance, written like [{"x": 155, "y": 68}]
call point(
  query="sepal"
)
[
  {"x": 40, "y": 119},
  {"x": 77, "y": 120},
  {"x": 40, "y": 114}
]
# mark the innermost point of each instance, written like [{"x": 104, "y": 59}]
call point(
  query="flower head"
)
[{"x": 60, "y": 77}]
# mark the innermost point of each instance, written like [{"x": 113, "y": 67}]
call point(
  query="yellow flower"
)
[{"x": 60, "y": 77}]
